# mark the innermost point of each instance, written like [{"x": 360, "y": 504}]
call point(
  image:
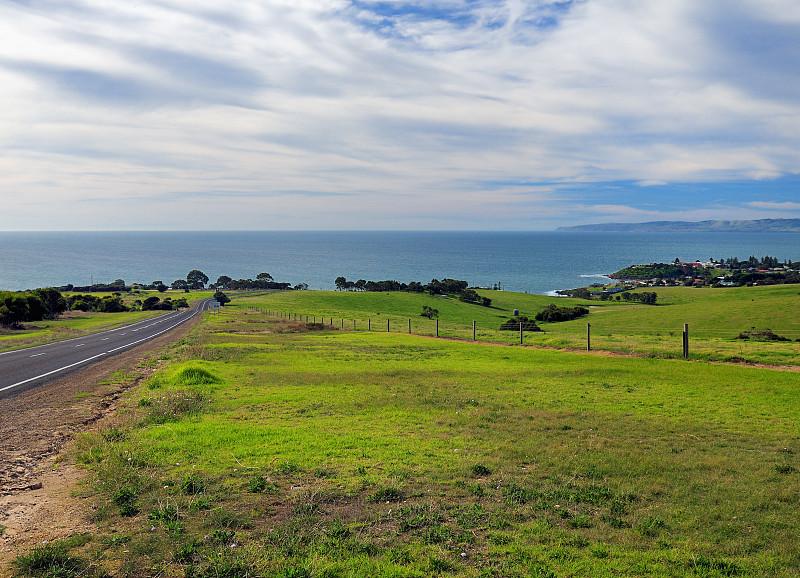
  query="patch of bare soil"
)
[{"x": 37, "y": 480}]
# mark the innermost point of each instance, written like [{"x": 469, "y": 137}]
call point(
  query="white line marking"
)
[
  {"x": 38, "y": 354},
  {"x": 13, "y": 385},
  {"x": 50, "y": 372},
  {"x": 158, "y": 318},
  {"x": 80, "y": 345}
]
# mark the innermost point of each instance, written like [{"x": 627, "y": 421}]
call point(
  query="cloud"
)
[
  {"x": 785, "y": 206},
  {"x": 394, "y": 107}
]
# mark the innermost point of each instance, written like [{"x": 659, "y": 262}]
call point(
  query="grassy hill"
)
[
  {"x": 272, "y": 447},
  {"x": 715, "y": 318}
]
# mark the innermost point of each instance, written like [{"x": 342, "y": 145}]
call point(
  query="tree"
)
[
  {"x": 53, "y": 302},
  {"x": 112, "y": 304},
  {"x": 341, "y": 283},
  {"x": 264, "y": 277},
  {"x": 222, "y": 281},
  {"x": 221, "y": 298},
  {"x": 13, "y": 309},
  {"x": 159, "y": 286},
  {"x": 301, "y": 287},
  {"x": 179, "y": 284},
  {"x": 150, "y": 303},
  {"x": 196, "y": 279}
]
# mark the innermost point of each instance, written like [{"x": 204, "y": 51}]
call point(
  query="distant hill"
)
[{"x": 758, "y": 226}]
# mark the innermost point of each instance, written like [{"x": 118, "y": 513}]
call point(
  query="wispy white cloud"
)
[
  {"x": 785, "y": 206},
  {"x": 390, "y": 110}
]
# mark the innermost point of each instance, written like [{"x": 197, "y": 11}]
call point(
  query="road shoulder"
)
[{"x": 38, "y": 501}]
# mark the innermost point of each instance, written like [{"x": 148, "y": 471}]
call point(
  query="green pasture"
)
[
  {"x": 268, "y": 447},
  {"x": 715, "y": 318}
]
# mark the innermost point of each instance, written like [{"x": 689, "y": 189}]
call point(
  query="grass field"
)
[
  {"x": 715, "y": 318},
  {"x": 78, "y": 323},
  {"x": 268, "y": 447}
]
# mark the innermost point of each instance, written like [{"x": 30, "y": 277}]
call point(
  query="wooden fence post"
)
[
  {"x": 588, "y": 337},
  {"x": 387, "y": 326},
  {"x": 473, "y": 331},
  {"x": 520, "y": 332},
  {"x": 437, "y": 328},
  {"x": 686, "y": 341},
  {"x": 409, "y": 326}
]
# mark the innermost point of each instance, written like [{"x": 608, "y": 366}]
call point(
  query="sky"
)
[{"x": 396, "y": 115}]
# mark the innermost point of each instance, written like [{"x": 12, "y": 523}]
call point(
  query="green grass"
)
[
  {"x": 279, "y": 451},
  {"x": 715, "y": 318}
]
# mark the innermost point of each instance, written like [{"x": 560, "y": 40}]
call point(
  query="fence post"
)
[
  {"x": 387, "y": 326},
  {"x": 409, "y": 326},
  {"x": 520, "y": 332},
  {"x": 437, "y": 328},
  {"x": 686, "y": 341},
  {"x": 342, "y": 323},
  {"x": 588, "y": 337},
  {"x": 473, "y": 331},
  {"x": 369, "y": 324},
  {"x": 354, "y": 324}
]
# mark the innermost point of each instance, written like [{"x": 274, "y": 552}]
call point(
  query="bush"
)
[
  {"x": 554, "y": 314},
  {"x": 513, "y": 324},
  {"x": 429, "y": 312}
]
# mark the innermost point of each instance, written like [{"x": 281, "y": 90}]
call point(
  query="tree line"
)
[{"x": 435, "y": 287}]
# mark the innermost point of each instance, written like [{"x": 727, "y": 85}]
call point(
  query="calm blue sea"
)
[{"x": 536, "y": 262}]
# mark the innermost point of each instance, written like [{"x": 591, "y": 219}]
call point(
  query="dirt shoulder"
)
[{"x": 37, "y": 481}]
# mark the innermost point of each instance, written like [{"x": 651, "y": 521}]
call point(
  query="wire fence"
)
[{"x": 668, "y": 341}]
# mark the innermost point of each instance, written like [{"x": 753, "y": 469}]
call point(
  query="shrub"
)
[
  {"x": 553, "y": 313},
  {"x": 513, "y": 324}
]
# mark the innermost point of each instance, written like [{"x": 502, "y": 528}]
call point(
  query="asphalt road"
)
[{"x": 25, "y": 369}]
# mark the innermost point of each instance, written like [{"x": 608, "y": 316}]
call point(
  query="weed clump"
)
[
  {"x": 386, "y": 494},
  {"x": 704, "y": 565},
  {"x": 52, "y": 560},
  {"x": 480, "y": 471},
  {"x": 195, "y": 376},
  {"x": 174, "y": 405},
  {"x": 260, "y": 485},
  {"x": 192, "y": 485},
  {"x": 125, "y": 499}
]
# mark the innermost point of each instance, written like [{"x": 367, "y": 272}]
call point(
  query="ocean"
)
[{"x": 532, "y": 262}]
